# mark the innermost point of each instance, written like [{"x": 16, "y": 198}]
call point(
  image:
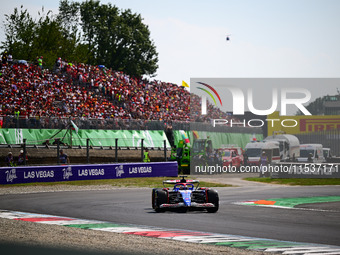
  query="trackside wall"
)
[{"x": 15, "y": 175}]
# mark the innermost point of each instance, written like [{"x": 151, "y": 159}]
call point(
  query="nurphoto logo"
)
[
  {"x": 238, "y": 98},
  {"x": 204, "y": 99}
]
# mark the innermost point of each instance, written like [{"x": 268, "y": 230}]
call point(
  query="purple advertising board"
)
[{"x": 14, "y": 175}]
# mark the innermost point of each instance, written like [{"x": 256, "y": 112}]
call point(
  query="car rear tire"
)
[
  {"x": 214, "y": 199},
  {"x": 153, "y": 198},
  {"x": 159, "y": 197}
]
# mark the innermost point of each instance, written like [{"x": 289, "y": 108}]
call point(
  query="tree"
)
[
  {"x": 47, "y": 36},
  {"x": 87, "y": 32},
  {"x": 316, "y": 107},
  {"x": 68, "y": 17},
  {"x": 139, "y": 54},
  {"x": 118, "y": 39},
  {"x": 19, "y": 32}
]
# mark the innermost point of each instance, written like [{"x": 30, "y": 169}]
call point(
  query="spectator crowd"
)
[{"x": 27, "y": 90}]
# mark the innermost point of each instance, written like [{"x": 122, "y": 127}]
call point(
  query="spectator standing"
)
[
  {"x": 310, "y": 158},
  {"x": 263, "y": 162},
  {"x": 58, "y": 64},
  {"x": 63, "y": 158},
  {"x": 245, "y": 158},
  {"x": 9, "y": 59},
  {"x": 21, "y": 158},
  {"x": 17, "y": 114},
  {"x": 146, "y": 155},
  {"x": 9, "y": 159},
  {"x": 40, "y": 62},
  {"x": 4, "y": 58}
]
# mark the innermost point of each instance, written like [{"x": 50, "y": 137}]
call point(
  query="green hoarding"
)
[
  {"x": 126, "y": 138},
  {"x": 218, "y": 138}
]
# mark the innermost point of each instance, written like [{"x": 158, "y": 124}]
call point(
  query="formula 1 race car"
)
[{"x": 184, "y": 195}]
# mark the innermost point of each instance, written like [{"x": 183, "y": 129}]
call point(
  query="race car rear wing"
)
[
  {"x": 180, "y": 181},
  {"x": 183, "y": 180}
]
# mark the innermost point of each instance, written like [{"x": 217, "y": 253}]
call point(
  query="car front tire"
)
[
  {"x": 159, "y": 197},
  {"x": 214, "y": 199}
]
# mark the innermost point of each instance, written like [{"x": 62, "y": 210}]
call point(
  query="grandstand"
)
[
  {"x": 94, "y": 98},
  {"x": 78, "y": 90},
  {"x": 89, "y": 92}
]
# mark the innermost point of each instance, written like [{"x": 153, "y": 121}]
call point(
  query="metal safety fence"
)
[
  {"x": 116, "y": 124},
  {"x": 114, "y": 146},
  {"x": 38, "y": 122},
  {"x": 329, "y": 139}
]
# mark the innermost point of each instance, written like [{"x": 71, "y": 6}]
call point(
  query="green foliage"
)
[
  {"x": 150, "y": 182},
  {"x": 73, "y": 48},
  {"x": 27, "y": 38},
  {"x": 297, "y": 181},
  {"x": 88, "y": 32},
  {"x": 316, "y": 107},
  {"x": 118, "y": 39},
  {"x": 20, "y": 32}
]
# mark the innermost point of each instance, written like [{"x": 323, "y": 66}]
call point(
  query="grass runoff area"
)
[
  {"x": 296, "y": 181},
  {"x": 152, "y": 182}
]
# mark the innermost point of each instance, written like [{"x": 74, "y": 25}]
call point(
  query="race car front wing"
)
[{"x": 193, "y": 204}]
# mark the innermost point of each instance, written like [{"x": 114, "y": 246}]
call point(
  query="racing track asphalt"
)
[{"x": 132, "y": 205}]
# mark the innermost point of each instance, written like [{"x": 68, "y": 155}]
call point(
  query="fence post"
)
[
  {"x": 58, "y": 150},
  {"x": 24, "y": 151},
  {"x": 88, "y": 150},
  {"x": 165, "y": 157},
  {"x": 142, "y": 150},
  {"x": 116, "y": 150}
]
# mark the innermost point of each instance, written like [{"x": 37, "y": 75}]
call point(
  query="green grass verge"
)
[
  {"x": 296, "y": 181},
  {"x": 294, "y": 201},
  {"x": 154, "y": 182}
]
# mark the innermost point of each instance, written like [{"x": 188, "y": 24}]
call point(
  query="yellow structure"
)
[{"x": 302, "y": 123}]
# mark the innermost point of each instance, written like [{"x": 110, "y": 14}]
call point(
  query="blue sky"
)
[{"x": 281, "y": 38}]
